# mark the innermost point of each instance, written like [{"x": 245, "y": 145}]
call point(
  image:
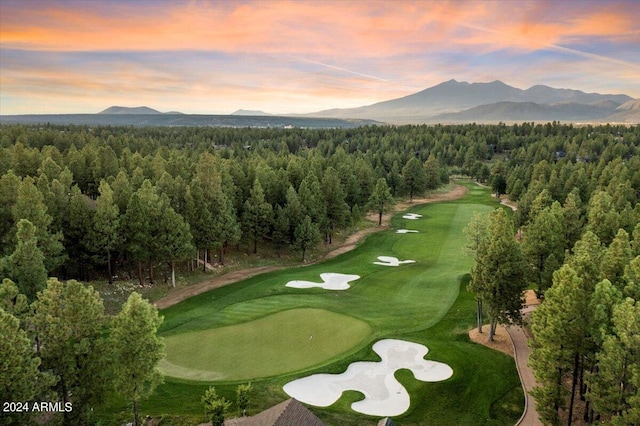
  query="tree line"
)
[
  {"x": 575, "y": 239},
  {"x": 99, "y": 211}
]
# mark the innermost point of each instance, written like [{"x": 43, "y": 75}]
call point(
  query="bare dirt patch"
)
[
  {"x": 530, "y": 298},
  {"x": 501, "y": 340},
  {"x": 350, "y": 243}
]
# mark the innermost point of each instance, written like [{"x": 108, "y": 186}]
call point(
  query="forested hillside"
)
[{"x": 115, "y": 202}]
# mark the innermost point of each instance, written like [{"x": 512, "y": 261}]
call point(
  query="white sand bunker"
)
[
  {"x": 383, "y": 394},
  {"x": 405, "y": 231},
  {"x": 412, "y": 216},
  {"x": 330, "y": 281},
  {"x": 391, "y": 261}
]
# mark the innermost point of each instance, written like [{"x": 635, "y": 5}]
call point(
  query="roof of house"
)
[
  {"x": 287, "y": 413},
  {"x": 386, "y": 422}
]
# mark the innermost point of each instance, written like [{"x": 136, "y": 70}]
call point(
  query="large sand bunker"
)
[
  {"x": 330, "y": 281},
  {"x": 391, "y": 261},
  {"x": 383, "y": 394},
  {"x": 406, "y": 231},
  {"x": 412, "y": 216}
]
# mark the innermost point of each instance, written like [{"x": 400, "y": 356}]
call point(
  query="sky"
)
[{"x": 214, "y": 57}]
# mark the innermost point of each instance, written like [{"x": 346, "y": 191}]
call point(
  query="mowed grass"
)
[
  {"x": 388, "y": 299},
  {"x": 301, "y": 337},
  {"x": 424, "y": 302}
]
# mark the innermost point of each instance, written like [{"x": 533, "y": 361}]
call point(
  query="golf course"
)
[{"x": 268, "y": 333}]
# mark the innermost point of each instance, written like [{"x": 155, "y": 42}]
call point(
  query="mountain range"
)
[
  {"x": 454, "y": 101},
  {"x": 448, "y": 102}
]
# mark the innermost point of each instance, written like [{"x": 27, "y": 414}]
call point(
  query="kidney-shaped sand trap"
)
[
  {"x": 330, "y": 281},
  {"x": 391, "y": 261},
  {"x": 405, "y": 231},
  {"x": 383, "y": 394},
  {"x": 412, "y": 216}
]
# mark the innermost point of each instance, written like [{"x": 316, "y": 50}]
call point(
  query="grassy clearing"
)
[{"x": 425, "y": 302}]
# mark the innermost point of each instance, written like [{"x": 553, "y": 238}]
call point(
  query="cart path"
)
[
  {"x": 522, "y": 351},
  {"x": 177, "y": 296}
]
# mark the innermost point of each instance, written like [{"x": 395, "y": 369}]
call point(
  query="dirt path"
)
[{"x": 177, "y": 296}]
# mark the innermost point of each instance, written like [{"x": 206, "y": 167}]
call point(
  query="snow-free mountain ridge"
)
[{"x": 454, "y": 101}]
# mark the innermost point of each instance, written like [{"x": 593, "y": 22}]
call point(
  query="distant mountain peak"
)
[
  {"x": 249, "y": 112},
  {"x": 129, "y": 110}
]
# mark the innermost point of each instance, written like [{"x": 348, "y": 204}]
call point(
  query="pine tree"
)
[
  {"x": 306, "y": 235},
  {"x": 615, "y": 388},
  {"x": 616, "y": 257},
  {"x": 293, "y": 210},
  {"x": 334, "y": 197},
  {"x": 257, "y": 216},
  {"x": 573, "y": 218},
  {"x": 602, "y": 217},
  {"x": 9, "y": 184},
  {"x": 476, "y": 234},
  {"x": 414, "y": 177},
  {"x": 498, "y": 276},
  {"x": 543, "y": 244},
  {"x": 105, "y": 227},
  {"x": 30, "y": 206},
  {"x": 69, "y": 324},
  {"x": 174, "y": 238},
  {"x": 137, "y": 350},
  {"x": 432, "y": 172},
  {"x": 559, "y": 326},
  {"x": 13, "y": 302},
  {"x": 280, "y": 235},
  {"x": 312, "y": 200},
  {"x": 20, "y": 378},
  {"x": 381, "y": 199},
  {"x": 26, "y": 264}
]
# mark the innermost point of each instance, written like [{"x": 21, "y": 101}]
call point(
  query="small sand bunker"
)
[
  {"x": 405, "y": 231},
  {"x": 391, "y": 261},
  {"x": 330, "y": 281},
  {"x": 412, "y": 216},
  {"x": 383, "y": 394}
]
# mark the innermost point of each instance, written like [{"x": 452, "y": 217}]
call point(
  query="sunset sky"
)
[{"x": 214, "y": 57}]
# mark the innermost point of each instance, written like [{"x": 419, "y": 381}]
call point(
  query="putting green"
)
[{"x": 281, "y": 343}]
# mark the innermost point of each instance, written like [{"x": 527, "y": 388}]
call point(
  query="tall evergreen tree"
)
[
  {"x": 26, "y": 264},
  {"x": 414, "y": 177},
  {"x": 69, "y": 324},
  {"x": 543, "y": 244},
  {"x": 615, "y": 388},
  {"x": 334, "y": 197},
  {"x": 20, "y": 378},
  {"x": 257, "y": 216},
  {"x": 559, "y": 326},
  {"x": 573, "y": 218},
  {"x": 498, "y": 275},
  {"x": 381, "y": 199},
  {"x": 432, "y": 172},
  {"x": 602, "y": 217},
  {"x": 137, "y": 350},
  {"x": 30, "y": 205},
  {"x": 615, "y": 258},
  {"x": 306, "y": 235},
  {"x": 105, "y": 227},
  {"x": 174, "y": 238}
]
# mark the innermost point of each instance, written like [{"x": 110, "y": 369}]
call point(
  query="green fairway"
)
[
  {"x": 280, "y": 343},
  {"x": 260, "y": 330}
]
